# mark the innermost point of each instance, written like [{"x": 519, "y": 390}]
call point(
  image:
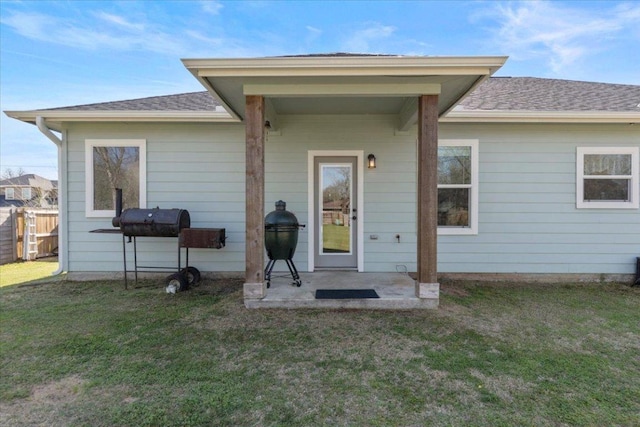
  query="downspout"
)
[{"x": 62, "y": 192}]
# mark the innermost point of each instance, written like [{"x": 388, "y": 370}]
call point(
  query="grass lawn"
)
[
  {"x": 492, "y": 355},
  {"x": 21, "y": 272},
  {"x": 335, "y": 238}
]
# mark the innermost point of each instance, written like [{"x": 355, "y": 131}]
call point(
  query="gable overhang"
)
[{"x": 342, "y": 84}]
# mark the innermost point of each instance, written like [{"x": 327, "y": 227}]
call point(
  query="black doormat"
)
[{"x": 345, "y": 293}]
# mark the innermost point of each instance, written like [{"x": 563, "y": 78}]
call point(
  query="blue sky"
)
[{"x": 60, "y": 53}]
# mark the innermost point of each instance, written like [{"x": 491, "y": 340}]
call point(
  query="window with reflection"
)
[
  {"x": 457, "y": 186},
  {"x": 112, "y": 164},
  {"x": 607, "y": 177}
]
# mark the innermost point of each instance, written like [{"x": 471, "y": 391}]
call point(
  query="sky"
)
[{"x": 62, "y": 53}]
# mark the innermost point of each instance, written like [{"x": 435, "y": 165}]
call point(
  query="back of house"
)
[{"x": 474, "y": 176}]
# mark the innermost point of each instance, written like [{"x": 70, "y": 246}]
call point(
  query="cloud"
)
[
  {"x": 211, "y": 7},
  {"x": 201, "y": 37},
  {"x": 560, "y": 33},
  {"x": 361, "y": 40},
  {"x": 116, "y": 33},
  {"x": 119, "y": 21}
]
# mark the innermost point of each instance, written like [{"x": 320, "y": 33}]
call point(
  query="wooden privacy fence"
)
[{"x": 38, "y": 226}]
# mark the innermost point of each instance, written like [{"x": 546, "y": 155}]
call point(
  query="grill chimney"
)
[{"x": 116, "y": 219}]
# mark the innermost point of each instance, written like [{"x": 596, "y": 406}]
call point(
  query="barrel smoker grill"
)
[
  {"x": 280, "y": 240},
  {"x": 135, "y": 222}
]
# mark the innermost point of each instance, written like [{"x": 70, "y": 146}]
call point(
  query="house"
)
[
  {"x": 474, "y": 175},
  {"x": 28, "y": 190}
]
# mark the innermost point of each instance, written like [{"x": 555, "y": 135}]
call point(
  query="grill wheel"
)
[
  {"x": 192, "y": 275},
  {"x": 177, "y": 282}
]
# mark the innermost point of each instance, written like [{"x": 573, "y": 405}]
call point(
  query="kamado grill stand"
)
[
  {"x": 158, "y": 222},
  {"x": 280, "y": 240}
]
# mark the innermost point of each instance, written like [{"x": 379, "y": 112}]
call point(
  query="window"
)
[
  {"x": 607, "y": 178},
  {"x": 458, "y": 187},
  {"x": 111, "y": 164},
  {"x": 26, "y": 193},
  {"x": 9, "y": 194}
]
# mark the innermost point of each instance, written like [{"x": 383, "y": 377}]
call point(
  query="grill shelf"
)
[{"x": 182, "y": 277}]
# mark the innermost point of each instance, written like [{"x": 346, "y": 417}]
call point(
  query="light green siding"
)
[
  {"x": 528, "y": 217},
  {"x": 528, "y": 221},
  {"x": 198, "y": 167}
]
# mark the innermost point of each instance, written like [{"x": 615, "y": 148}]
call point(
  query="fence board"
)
[
  {"x": 46, "y": 232},
  {"x": 8, "y": 242}
]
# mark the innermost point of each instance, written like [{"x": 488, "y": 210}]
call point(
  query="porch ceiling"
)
[{"x": 342, "y": 85}]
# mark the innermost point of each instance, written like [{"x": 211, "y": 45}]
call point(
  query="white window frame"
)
[
  {"x": 472, "y": 229},
  {"x": 26, "y": 193},
  {"x": 634, "y": 191},
  {"x": 89, "y": 146},
  {"x": 9, "y": 193}
]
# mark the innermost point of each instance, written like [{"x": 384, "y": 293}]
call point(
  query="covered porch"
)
[{"x": 415, "y": 91}]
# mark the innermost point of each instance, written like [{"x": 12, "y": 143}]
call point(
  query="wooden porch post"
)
[
  {"x": 427, "y": 284},
  {"x": 254, "y": 286}
]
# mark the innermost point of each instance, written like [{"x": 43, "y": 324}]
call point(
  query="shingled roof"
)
[
  {"x": 537, "y": 94},
  {"x": 28, "y": 180},
  {"x": 496, "y": 93},
  {"x": 193, "y": 101}
]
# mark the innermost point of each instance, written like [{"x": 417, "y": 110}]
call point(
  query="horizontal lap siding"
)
[
  {"x": 528, "y": 217},
  {"x": 528, "y": 222},
  {"x": 198, "y": 167},
  {"x": 389, "y": 190}
]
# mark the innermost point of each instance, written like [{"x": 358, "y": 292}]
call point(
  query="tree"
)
[
  {"x": 337, "y": 186},
  {"x": 10, "y": 173},
  {"x": 116, "y": 167}
]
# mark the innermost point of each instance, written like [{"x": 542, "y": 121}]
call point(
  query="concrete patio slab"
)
[{"x": 396, "y": 291}]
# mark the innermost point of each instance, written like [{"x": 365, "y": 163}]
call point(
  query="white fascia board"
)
[
  {"x": 344, "y": 66},
  {"x": 343, "y": 89},
  {"x": 124, "y": 115},
  {"x": 500, "y": 116}
]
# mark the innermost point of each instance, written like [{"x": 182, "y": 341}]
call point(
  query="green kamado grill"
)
[{"x": 280, "y": 240}]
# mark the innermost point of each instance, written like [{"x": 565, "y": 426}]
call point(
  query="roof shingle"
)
[
  {"x": 193, "y": 101},
  {"x": 537, "y": 94},
  {"x": 496, "y": 93}
]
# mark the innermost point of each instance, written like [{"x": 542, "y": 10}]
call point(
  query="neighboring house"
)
[
  {"x": 480, "y": 176},
  {"x": 28, "y": 190}
]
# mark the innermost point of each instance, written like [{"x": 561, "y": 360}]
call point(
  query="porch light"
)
[{"x": 372, "y": 161}]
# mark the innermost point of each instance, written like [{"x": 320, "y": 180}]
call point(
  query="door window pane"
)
[{"x": 336, "y": 183}]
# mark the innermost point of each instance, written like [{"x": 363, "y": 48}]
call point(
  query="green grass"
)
[
  {"x": 21, "y": 272},
  {"x": 491, "y": 355},
  {"x": 336, "y": 238}
]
